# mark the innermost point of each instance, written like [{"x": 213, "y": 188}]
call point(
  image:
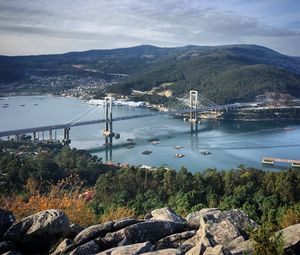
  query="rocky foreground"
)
[{"x": 208, "y": 232}]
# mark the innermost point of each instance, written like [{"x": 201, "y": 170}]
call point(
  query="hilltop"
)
[{"x": 221, "y": 73}]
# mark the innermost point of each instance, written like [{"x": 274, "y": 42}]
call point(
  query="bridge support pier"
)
[
  {"x": 50, "y": 135},
  {"x": 66, "y": 139},
  {"x": 193, "y": 110},
  {"x": 34, "y": 136},
  {"x": 108, "y": 131}
]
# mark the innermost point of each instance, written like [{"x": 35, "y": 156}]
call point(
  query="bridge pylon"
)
[
  {"x": 108, "y": 131},
  {"x": 193, "y": 110}
]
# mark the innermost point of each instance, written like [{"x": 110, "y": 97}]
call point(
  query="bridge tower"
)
[
  {"x": 193, "y": 110},
  {"x": 108, "y": 131}
]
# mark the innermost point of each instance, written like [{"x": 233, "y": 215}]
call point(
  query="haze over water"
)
[{"x": 231, "y": 142}]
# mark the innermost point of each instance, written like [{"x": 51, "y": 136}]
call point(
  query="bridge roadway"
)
[{"x": 90, "y": 122}]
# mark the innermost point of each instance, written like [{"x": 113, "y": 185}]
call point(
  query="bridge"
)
[{"x": 192, "y": 105}]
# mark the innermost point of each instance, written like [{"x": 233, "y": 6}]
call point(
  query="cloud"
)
[{"x": 111, "y": 23}]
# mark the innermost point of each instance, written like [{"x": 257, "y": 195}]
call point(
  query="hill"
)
[{"x": 222, "y": 73}]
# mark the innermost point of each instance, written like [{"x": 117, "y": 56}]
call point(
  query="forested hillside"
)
[{"x": 221, "y": 73}]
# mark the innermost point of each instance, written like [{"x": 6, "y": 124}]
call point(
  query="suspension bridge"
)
[{"x": 192, "y": 105}]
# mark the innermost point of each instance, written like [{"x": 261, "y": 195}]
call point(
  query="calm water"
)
[{"x": 231, "y": 142}]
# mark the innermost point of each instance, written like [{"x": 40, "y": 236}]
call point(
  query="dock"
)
[{"x": 271, "y": 161}]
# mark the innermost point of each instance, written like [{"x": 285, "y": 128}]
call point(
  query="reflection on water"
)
[{"x": 230, "y": 143}]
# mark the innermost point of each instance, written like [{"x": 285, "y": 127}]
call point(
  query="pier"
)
[{"x": 271, "y": 161}]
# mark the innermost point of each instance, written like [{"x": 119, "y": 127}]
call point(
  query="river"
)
[{"x": 231, "y": 143}]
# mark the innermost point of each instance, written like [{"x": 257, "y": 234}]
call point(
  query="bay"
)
[{"x": 231, "y": 143}]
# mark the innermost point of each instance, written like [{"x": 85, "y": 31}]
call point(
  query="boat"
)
[
  {"x": 205, "y": 153},
  {"x": 22, "y": 105},
  {"x": 294, "y": 164},
  {"x": 287, "y": 128},
  {"x": 117, "y": 136},
  {"x": 155, "y": 142},
  {"x": 129, "y": 140},
  {"x": 268, "y": 162},
  {"x": 130, "y": 146},
  {"x": 4, "y": 106},
  {"x": 178, "y": 147},
  {"x": 146, "y": 152},
  {"x": 178, "y": 155}
]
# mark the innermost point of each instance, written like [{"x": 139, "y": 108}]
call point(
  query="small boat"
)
[
  {"x": 4, "y": 106},
  {"x": 178, "y": 147},
  {"x": 117, "y": 136},
  {"x": 205, "y": 153},
  {"x": 146, "y": 152},
  {"x": 178, "y": 155},
  {"x": 129, "y": 140},
  {"x": 268, "y": 162},
  {"x": 287, "y": 128},
  {"x": 22, "y": 105},
  {"x": 130, "y": 146},
  {"x": 155, "y": 142},
  {"x": 36, "y": 104}
]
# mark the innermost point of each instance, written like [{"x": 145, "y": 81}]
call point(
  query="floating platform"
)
[
  {"x": 205, "y": 153},
  {"x": 271, "y": 161},
  {"x": 146, "y": 152},
  {"x": 178, "y": 147}
]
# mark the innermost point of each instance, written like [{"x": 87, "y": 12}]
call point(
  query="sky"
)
[{"x": 58, "y": 26}]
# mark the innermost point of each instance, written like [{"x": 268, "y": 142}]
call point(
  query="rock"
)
[
  {"x": 62, "y": 246},
  {"x": 201, "y": 246},
  {"x": 193, "y": 219},
  {"x": 245, "y": 247},
  {"x": 291, "y": 238},
  {"x": 93, "y": 232},
  {"x": 6, "y": 220},
  {"x": 132, "y": 249},
  {"x": 7, "y": 246},
  {"x": 217, "y": 250},
  {"x": 38, "y": 232},
  {"x": 151, "y": 231},
  {"x": 235, "y": 242},
  {"x": 223, "y": 232},
  {"x": 125, "y": 222},
  {"x": 75, "y": 229},
  {"x": 164, "y": 252},
  {"x": 90, "y": 247},
  {"x": 166, "y": 214},
  {"x": 141, "y": 232},
  {"x": 175, "y": 240}
]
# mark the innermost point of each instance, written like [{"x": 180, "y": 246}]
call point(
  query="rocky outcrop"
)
[
  {"x": 6, "y": 220},
  {"x": 132, "y": 249},
  {"x": 215, "y": 232},
  {"x": 166, "y": 214},
  {"x": 291, "y": 238},
  {"x": 37, "y": 233}
]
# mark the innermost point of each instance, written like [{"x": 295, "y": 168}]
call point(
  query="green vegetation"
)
[
  {"x": 270, "y": 198},
  {"x": 44, "y": 163}
]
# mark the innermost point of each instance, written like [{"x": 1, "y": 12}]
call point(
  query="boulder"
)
[
  {"x": 6, "y": 220},
  {"x": 291, "y": 238},
  {"x": 175, "y": 240},
  {"x": 132, "y": 249},
  {"x": 245, "y": 247},
  {"x": 217, "y": 250},
  {"x": 75, "y": 229},
  {"x": 90, "y": 247},
  {"x": 141, "y": 232},
  {"x": 62, "y": 246},
  {"x": 235, "y": 242},
  {"x": 7, "y": 246},
  {"x": 38, "y": 232},
  {"x": 125, "y": 222},
  {"x": 166, "y": 214},
  {"x": 164, "y": 252},
  {"x": 151, "y": 231},
  {"x": 93, "y": 232},
  {"x": 193, "y": 219}
]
